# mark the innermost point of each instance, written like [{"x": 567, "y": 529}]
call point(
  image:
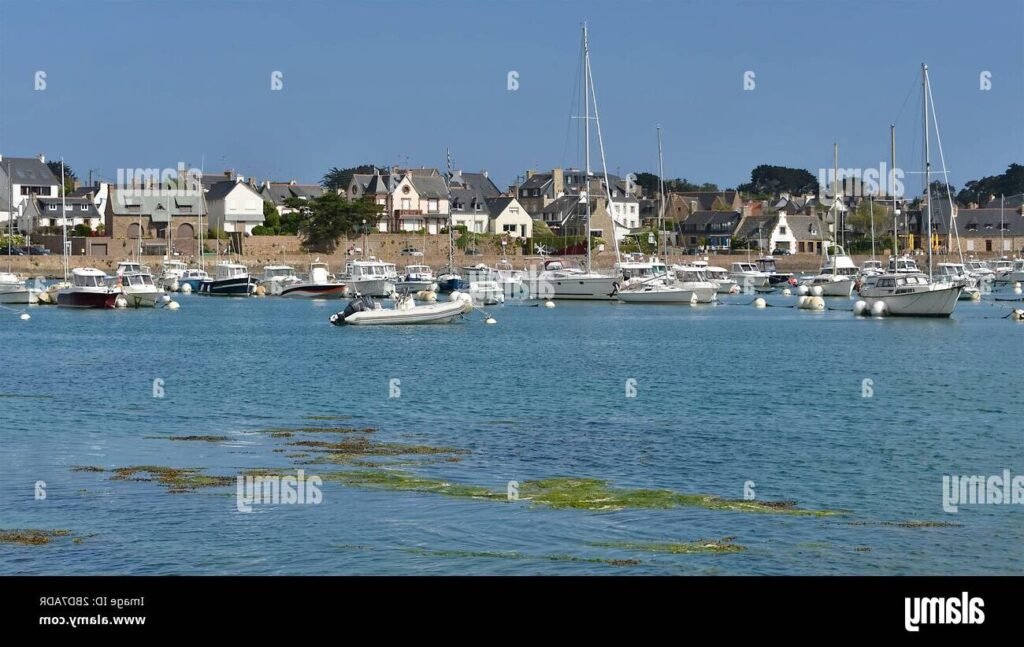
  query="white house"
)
[
  {"x": 508, "y": 217},
  {"x": 234, "y": 207},
  {"x": 52, "y": 213},
  {"x": 26, "y": 177}
]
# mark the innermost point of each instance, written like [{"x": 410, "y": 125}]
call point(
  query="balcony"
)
[{"x": 408, "y": 213}]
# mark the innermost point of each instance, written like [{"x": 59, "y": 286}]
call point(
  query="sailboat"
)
[
  {"x": 13, "y": 290},
  {"x": 915, "y": 294},
  {"x": 559, "y": 280},
  {"x": 838, "y": 273}
]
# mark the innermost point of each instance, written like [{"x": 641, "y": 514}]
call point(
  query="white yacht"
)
[
  {"x": 369, "y": 278},
  {"x": 486, "y": 292},
  {"x": 912, "y": 295},
  {"x": 416, "y": 278},
  {"x": 719, "y": 276},
  {"x": 318, "y": 284},
  {"x": 838, "y": 273},
  {"x": 1002, "y": 268},
  {"x": 277, "y": 278},
  {"x": 139, "y": 289},
  {"x": 748, "y": 277},
  {"x": 956, "y": 274},
  {"x": 14, "y": 291},
  {"x": 229, "y": 280},
  {"x": 871, "y": 268},
  {"x": 509, "y": 279},
  {"x": 1017, "y": 273},
  {"x": 903, "y": 265},
  {"x": 171, "y": 275},
  {"x": 558, "y": 280}
]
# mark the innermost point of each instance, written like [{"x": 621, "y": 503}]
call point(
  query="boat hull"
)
[
  {"x": 236, "y": 287},
  {"x": 18, "y": 295},
  {"x": 146, "y": 299},
  {"x": 932, "y": 303},
  {"x": 842, "y": 288},
  {"x": 86, "y": 299},
  {"x": 584, "y": 288},
  {"x": 429, "y": 314},
  {"x": 372, "y": 287},
  {"x": 316, "y": 291}
]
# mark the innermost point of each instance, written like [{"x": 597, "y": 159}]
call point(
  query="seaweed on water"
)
[
  {"x": 31, "y": 536},
  {"x": 515, "y": 555},
  {"x": 713, "y": 546},
  {"x": 176, "y": 480},
  {"x": 87, "y": 468}
]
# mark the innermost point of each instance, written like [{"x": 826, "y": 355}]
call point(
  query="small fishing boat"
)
[
  {"x": 319, "y": 284},
  {"x": 369, "y": 278},
  {"x": 364, "y": 311},
  {"x": 719, "y": 276},
  {"x": 14, "y": 291},
  {"x": 139, "y": 289},
  {"x": 486, "y": 292},
  {"x": 417, "y": 278},
  {"x": 171, "y": 274},
  {"x": 229, "y": 280},
  {"x": 89, "y": 289},
  {"x": 277, "y": 278},
  {"x": 192, "y": 277}
]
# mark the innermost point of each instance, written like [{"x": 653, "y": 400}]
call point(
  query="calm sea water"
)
[{"x": 724, "y": 394}]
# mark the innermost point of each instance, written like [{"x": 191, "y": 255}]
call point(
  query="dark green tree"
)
[
  {"x": 773, "y": 180},
  {"x": 339, "y": 178},
  {"x": 323, "y": 220},
  {"x": 271, "y": 217},
  {"x": 69, "y": 175},
  {"x": 1009, "y": 183}
]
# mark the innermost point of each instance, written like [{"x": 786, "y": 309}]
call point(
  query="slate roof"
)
[
  {"x": 74, "y": 205},
  {"x": 979, "y": 222},
  {"x": 749, "y": 227},
  {"x": 158, "y": 207},
  {"x": 495, "y": 206},
  {"x": 430, "y": 186},
  {"x": 28, "y": 170},
  {"x": 805, "y": 228},
  {"x": 707, "y": 221},
  {"x": 465, "y": 201}
]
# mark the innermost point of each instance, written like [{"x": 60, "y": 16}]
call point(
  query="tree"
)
[
  {"x": 773, "y": 180},
  {"x": 649, "y": 182},
  {"x": 939, "y": 189},
  {"x": 271, "y": 217},
  {"x": 323, "y": 220},
  {"x": 860, "y": 219},
  {"x": 1009, "y": 183},
  {"x": 69, "y": 176},
  {"x": 339, "y": 178},
  {"x": 540, "y": 228},
  {"x": 81, "y": 230}
]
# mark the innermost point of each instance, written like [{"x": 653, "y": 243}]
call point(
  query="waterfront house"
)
[
  {"x": 712, "y": 230},
  {"x": 50, "y": 214},
  {"x": 234, "y": 207},
  {"x": 26, "y": 177},
  {"x": 279, "y": 193},
  {"x": 509, "y": 218},
  {"x": 807, "y": 232},
  {"x": 151, "y": 215},
  {"x": 990, "y": 231},
  {"x": 412, "y": 199}
]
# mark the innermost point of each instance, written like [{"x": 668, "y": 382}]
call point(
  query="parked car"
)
[
  {"x": 781, "y": 252},
  {"x": 11, "y": 251},
  {"x": 411, "y": 251},
  {"x": 473, "y": 252},
  {"x": 35, "y": 250}
]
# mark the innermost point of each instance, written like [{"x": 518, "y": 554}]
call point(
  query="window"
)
[
  {"x": 405, "y": 189},
  {"x": 406, "y": 203},
  {"x": 84, "y": 207},
  {"x": 514, "y": 210},
  {"x": 508, "y": 229},
  {"x": 782, "y": 231},
  {"x": 476, "y": 207},
  {"x": 632, "y": 208},
  {"x": 432, "y": 205},
  {"x": 52, "y": 207}
]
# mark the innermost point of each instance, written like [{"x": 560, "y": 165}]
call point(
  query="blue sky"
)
[{"x": 150, "y": 84}]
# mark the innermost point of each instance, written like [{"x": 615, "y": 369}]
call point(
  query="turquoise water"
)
[{"x": 724, "y": 394}]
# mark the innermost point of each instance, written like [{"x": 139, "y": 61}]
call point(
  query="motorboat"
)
[
  {"x": 89, "y": 288},
  {"x": 14, "y": 291},
  {"x": 719, "y": 276},
  {"x": 369, "y": 278},
  {"x": 229, "y": 280},
  {"x": 871, "y": 268},
  {"x": 417, "y": 278},
  {"x": 694, "y": 280},
  {"x": 748, "y": 277},
  {"x": 171, "y": 275},
  {"x": 903, "y": 265},
  {"x": 364, "y": 311},
  {"x": 277, "y": 278},
  {"x": 558, "y": 280},
  {"x": 319, "y": 284},
  {"x": 1002, "y": 269},
  {"x": 653, "y": 290},
  {"x": 138, "y": 289},
  {"x": 509, "y": 279},
  {"x": 192, "y": 277},
  {"x": 641, "y": 269},
  {"x": 912, "y": 295},
  {"x": 486, "y": 292},
  {"x": 449, "y": 280},
  {"x": 766, "y": 265},
  {"x": 838, "y": 274},
  {"x": 956, "y": 274}
]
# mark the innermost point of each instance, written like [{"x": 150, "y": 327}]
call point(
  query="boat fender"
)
[
  {"x": 879, "y": 309},
  {"x": 615, "y": 289},
  {"x": 760, "y": 303},
  {"x": 860, "y": 308}
]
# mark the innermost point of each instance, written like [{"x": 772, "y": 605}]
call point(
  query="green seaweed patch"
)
[
  {"x": 912, "y": 523},
  {"x": 345, "y": 451},
  {"x": 502, "y": 554},
  {"x": 200, "y": 439},
  {"x": 297, "y": 455},
  {"x": 596, "y": 494},
  {"x": 281, "y": 434},
  {"x": 31, "y": 536},
  {"x": 404, "y": 482},
  {"x": 319, "y": 430},
  {"x": 87, "y": 468},
  {"x": 176, "y": 480},
  {"x": 713, "y": 546}
]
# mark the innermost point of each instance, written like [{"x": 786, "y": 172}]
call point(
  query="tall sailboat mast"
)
[
  {"x": 64, "y": 219},
  {"x": 451, "y": 234},
  {"x": 892, "y": 189},
  {"x": 927, "y": 166},
  {"x": 661, "y": 193},
  {"x": 10, "y": 218},
  {"x": 586, "y": 137}
]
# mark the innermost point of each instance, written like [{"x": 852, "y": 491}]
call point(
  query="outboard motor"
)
[{"x": 358, "y": 304}]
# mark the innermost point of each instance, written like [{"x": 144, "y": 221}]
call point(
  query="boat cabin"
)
[
  {"x": 231, "y": 271},
  {"x": 87, "y": 277}
]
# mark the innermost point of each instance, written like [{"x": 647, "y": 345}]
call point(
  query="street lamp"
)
[{"x": 364, "y": 237}]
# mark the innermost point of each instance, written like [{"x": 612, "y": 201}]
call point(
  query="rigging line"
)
[
  {"x": 945, "y": 176},
  {"x": 905, "y": 99},
  {"x": 571, "y": 119}
]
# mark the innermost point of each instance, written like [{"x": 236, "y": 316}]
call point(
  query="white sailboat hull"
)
[
  {"x": 938, "y": 302},
  {"x": 585, "y": 287},
  {"x": 421, "y": 314},
  {"x": 18, "y": 295},
  {"x": 841, "y": 288}
]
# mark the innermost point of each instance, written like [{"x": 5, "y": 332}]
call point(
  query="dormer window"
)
[{"x": 52, "y": 207}]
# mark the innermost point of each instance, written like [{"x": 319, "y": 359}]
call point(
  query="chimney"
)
[
  {"x": 42, "y": 158},
  {"x": 530, "y": 173},
  {"x": 484, "y": 173},
  {"x": 558, "y": 181}
]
